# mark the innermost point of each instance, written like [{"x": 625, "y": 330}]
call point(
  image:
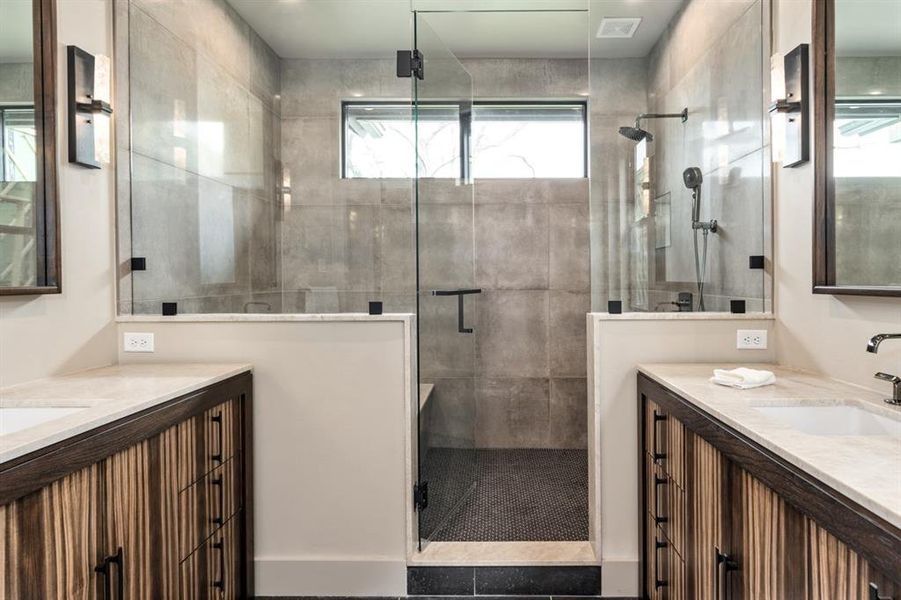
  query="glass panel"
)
[
  {"x": 233, "y": 180},
  {"x": 19, "y": 145},
  {"x": 867, "y": 143},
  {"x": 523, "y": 142},
  {"x": 649, "y": 250},
  {"x": 446, "y": 318}
]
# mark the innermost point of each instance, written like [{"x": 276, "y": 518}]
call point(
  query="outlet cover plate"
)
[
  {"x": 751, "y": 339},
  {"x": 137, "y": 342}
]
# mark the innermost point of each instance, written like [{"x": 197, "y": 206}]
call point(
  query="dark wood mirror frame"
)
[
  {"x": 47, "y": 226},
  {"x": 824, "y": 280}
]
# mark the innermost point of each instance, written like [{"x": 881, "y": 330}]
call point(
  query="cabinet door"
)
[
  {"x": 768, "y": 542},
  {"x": 51, "y": 541},
  {"x": 707, "y": 500},
  {"x": 142, "y": 517},
  {"x": 838, "y": 573}
]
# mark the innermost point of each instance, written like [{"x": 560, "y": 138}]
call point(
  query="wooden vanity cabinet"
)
[
  {"x": 713, "y": 529},
  {"x": 168, "y": 515}
]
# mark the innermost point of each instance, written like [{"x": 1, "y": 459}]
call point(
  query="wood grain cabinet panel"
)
[
  {"x": 132, "y": 498},
  {"x": 770, "y": 545},
  {"x": 52, "y": 540},
  {"x": 838, "y": 573},
  {"x": 707, "y": 485}
]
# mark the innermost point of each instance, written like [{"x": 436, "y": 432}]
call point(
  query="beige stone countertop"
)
[
  {"x": 103, "y": 395},
  {"x": 866, "y": 469}
]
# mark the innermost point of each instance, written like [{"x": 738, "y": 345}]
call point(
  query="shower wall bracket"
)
[
  {"x": 410, "y": 63},
  {"x": 796, "y": 107}
]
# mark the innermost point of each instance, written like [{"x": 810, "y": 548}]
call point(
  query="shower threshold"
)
[{"x": 505, "y": 554}]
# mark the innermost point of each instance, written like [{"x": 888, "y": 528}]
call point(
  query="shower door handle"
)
[{"x": 461, "y": 320}]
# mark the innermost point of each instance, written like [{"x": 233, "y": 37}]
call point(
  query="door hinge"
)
[
  {"x": 421, "y": 496},
  {"x": 409, "y": 63}
]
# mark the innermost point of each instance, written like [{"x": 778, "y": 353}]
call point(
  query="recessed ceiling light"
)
[{"x": 618, "y": 27}]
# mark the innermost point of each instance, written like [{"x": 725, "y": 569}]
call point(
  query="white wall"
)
[
  {"x": 329, "y": 445},
  {"x": 52, "y": 334},
  {"x": 819, "y": 332}
]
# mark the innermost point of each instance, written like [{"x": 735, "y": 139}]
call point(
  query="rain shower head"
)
[{"x": 636, "y": 133}]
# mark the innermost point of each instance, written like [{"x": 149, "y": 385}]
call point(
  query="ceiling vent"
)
[{"x": 618, "y": 27}]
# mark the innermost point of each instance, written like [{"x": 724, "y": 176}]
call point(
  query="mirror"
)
[
  {"x": 857, "y": 74},
  {"x": 29, "y": 235}
]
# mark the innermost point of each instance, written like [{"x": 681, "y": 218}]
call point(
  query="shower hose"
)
[{"x": 701, "y": 267}]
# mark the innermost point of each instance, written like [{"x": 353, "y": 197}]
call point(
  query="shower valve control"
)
[{"x": 751, "y": 339}]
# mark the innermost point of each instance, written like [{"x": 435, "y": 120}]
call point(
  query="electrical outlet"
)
[
  {"x": 138, "y": 342},
  {"x": 751, "y": 339}
]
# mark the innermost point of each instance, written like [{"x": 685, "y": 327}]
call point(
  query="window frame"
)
[{"x": 465, "y": 112}]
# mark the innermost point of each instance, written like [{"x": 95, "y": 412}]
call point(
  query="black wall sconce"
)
[
  {"x": 89, "y": 108},
  {"x": 795, "y": 107}
]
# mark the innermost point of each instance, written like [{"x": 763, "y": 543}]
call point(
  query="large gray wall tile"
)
[
  {"x": 511, "y": 246},
  {"x": 443, "y": 350},
  {"x": 569, "y": 413},
  {"x": 512, "y": 334},
  {"x": 446, "y": 246},
  {"x": 512, "y": 413},
  {"x": 330, "y": 247},
  {"x": 452, "y": 414},
  {"x": 566, "y": 333},
  {"x": 17, "y": 82},
  {"x": 569, "y": 247}
]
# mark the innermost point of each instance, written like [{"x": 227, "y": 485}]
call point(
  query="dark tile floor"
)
[
  {"x": 504, "y": 581},
  {"x": 519, "y": 495},
  {"x": 435, "y": 598}
]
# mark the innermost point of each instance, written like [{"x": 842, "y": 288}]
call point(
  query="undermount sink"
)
[
  {"x": 840, "y": 419},
  {"x": 13, "y": 419}
]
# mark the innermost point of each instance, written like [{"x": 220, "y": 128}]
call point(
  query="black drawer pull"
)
[
  {"x": 104, "y": 570},
  {"x": 658, "y": 417},
  {"x": 658, "y": 481},
  {"x": 658, "y": 583},
  {"x": 725, "y": 563},
  {"x": 220, "y": 583},
  {"x": 874, "y": 593},
  {"x": 220, "y": 518},
  {"x": 217, "y": 420}
]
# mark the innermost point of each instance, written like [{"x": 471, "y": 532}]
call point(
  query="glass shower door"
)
[{"x": 447, "y": 298}]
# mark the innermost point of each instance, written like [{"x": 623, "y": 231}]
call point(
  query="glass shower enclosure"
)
[{"x": 446, "y": 295}]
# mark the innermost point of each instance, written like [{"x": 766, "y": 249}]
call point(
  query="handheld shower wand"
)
[{"x": 693, "y": 179}]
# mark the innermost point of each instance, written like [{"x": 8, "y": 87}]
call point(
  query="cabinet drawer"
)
[
  {"x": 665, "y": 442},
  {"x": 213, "y": 570},
  {"x": 206, "y": 441},
  {"x": 206, "y": 505}
]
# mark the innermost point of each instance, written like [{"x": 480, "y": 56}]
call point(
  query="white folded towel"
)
[{"x": 743, "y": 378}]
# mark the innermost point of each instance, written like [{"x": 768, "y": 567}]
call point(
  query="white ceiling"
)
[
  {"x": 15, "y": 31},
  {"x": 377, "y": 28},
  {"x": 868, "y": 27}
]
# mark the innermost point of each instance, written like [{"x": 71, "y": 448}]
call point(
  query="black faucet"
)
[{"x": 873, "y": 346}]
